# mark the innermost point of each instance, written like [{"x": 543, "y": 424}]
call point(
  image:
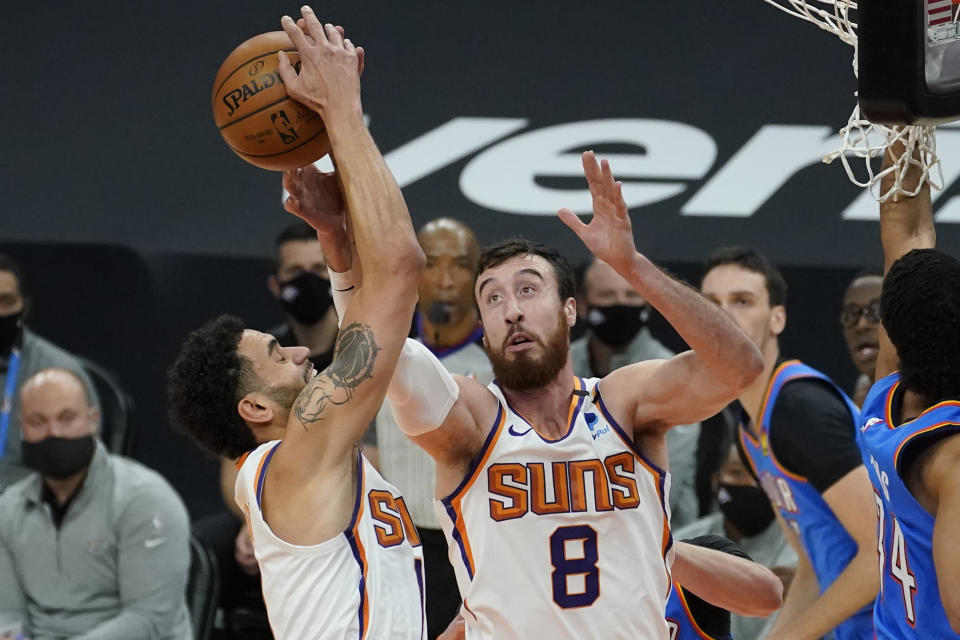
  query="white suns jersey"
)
[
  {"x": 561, "y": 539},
  {"x": 365, "y": 583}
]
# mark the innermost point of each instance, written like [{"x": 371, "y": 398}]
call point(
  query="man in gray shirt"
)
[
  {"x": 92, "y": 546},
  {"x": 616, "y": 315},
  {"x": 22, "y": 354}
]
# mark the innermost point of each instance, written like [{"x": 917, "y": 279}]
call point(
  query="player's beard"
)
[{"x": 525, "y": 372}]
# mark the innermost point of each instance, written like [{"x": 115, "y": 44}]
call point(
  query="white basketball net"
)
[{"x": 862, "y": 138}]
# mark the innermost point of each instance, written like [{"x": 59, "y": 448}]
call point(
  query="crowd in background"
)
[{"x": 95, "y": 545}]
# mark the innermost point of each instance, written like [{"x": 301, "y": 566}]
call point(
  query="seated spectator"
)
[
  {"x": 860, "y": 319},
  {"x": 22, "y": 354},
  {"x": 616, "y": 336},
  {"x": 747, "y": 518},
  {"x": 93, "y": 546}
]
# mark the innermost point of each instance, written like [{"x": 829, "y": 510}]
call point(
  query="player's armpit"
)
[
  {"x": 940, "y": 480},
  {"x": 455, "y": 443}
]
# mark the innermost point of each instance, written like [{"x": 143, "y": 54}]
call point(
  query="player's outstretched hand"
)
[
  {"x": 330, "y": 66},
  {"x": 316, "y": 198},
  {"x": 609, "y": 236}
]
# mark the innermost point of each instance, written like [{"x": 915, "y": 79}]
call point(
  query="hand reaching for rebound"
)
[{"x": 609, "y": 236}]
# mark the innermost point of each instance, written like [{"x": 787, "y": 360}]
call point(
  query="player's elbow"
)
[
  {"x": 770, "y": 596},
  {"x": 749, "y": 366}
]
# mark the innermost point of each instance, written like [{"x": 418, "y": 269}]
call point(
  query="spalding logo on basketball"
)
[{"x": 254, "y": 114}]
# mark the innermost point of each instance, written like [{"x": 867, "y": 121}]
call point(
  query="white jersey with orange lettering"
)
[
  {"x": 365, "y": 583},
  {"x": 566, "y": 538}
]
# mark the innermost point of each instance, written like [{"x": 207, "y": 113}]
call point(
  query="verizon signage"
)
[{"x": 507, "y": 157}]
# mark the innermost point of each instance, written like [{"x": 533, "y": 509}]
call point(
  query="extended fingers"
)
[
  {"x": 314, "y": 28},
  {"x": 294, "y": 32}
]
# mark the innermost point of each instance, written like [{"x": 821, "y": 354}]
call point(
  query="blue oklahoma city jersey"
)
[
  {"x": 827, "y": 544},
  {"x": 680, "y": 620},
  {"x": 909, "y": 605}
]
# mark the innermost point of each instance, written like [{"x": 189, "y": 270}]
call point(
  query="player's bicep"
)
[
  {"x": 665, "y": 393},
  {"x": 337, "y": 405},
  {"x": 462, "y": 431},
  {"x": 940, "y": 481}
]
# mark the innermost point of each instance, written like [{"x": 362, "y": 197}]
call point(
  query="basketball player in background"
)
[
  {"x": 553, "y": 486},
  {"x": 337, "y": 552},
  {"x": 798, "y": 432},
  {"x": 910, "y": 433}
]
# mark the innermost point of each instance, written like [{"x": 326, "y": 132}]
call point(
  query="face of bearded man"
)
[{"x": 523, "y": 371}]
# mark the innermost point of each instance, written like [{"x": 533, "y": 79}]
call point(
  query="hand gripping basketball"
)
[
  {"x": 609, "y": 236},
  {"x": 329, "y": 78}
]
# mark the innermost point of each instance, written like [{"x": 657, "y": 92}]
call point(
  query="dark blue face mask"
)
[{"x": 59, "y": 458}]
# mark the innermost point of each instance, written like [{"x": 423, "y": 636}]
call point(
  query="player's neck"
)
[
  {"x": 319, "y": 336},
  {"x": 441, "y": 336},
  {"x": 912, "y": 404},
  {"x": 547, "y": 407},
  {"x": 752, "y": 398}
]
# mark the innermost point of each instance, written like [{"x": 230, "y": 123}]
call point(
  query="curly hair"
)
[
  {"x": 920, "y": 310},
  {"x": 205, "y": 383}
]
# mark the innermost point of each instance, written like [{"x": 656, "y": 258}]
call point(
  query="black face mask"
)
[
  {"x": 11, "y": 327},
  {"x": 59, "y": 458},
  {"x": 307, "y": 297},
  {"x": 746, "y": 507},
  {"x": 618, "y": 324}
]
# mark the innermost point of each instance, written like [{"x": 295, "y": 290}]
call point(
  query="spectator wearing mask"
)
[
  {"x": 22, "y": 354},
  {"x": 746, "y": 518},
  {"x": 302, "y": 287},
  {"x": 447, "y": 323},
  {"x": 616, "y": 336},
  {"x": 93, "y": 546}
]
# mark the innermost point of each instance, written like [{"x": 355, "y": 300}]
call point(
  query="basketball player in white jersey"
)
[
  {"x": 338, "y": 553},
  {"x": 552, "y": 489}
]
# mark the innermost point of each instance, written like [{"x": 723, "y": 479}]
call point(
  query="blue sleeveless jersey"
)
[
  {"x": 680, "y": 621},
  {"x": 827, "y": 544},
  {"x": 909, "y": 605}
]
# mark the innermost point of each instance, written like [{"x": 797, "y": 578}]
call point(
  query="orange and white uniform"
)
[
  {"x": 366, "y": 582},
  {"x": 566, "y": 538}
]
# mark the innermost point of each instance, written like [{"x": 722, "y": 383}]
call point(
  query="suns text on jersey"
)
[{"x": 562, "y": 487}]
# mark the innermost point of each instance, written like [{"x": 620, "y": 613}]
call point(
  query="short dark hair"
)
[
  {"x": 7, "y": 264},
  {"x": 750, "y": 260},
  {"x": 298, "y": 230},
  {"x": 920, "y": 310},
  {"x": 205, "y": 383},
  {"x": 502, "y": 251}
]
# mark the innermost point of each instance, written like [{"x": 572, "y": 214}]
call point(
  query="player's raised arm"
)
[
  {"x": 906, "y": 223},
  {"x": 692, "y": 385},
  {"x": 336, "y": 406}
]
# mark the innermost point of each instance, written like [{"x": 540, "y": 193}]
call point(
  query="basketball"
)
[{"x": 256, "y": 117}]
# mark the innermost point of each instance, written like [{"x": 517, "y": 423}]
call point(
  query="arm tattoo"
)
[{"x": 353, "y": 360}]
